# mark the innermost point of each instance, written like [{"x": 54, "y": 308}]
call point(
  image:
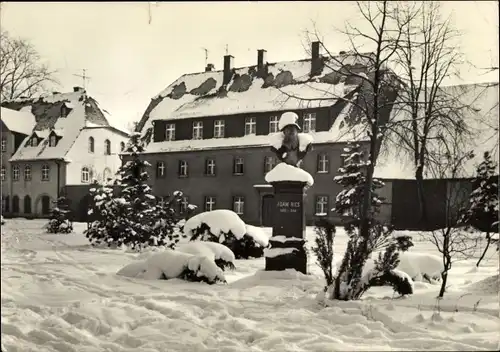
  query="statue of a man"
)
[{"x": 291, "y": 146}]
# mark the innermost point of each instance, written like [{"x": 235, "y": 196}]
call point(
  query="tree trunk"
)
[
  {"x": 488, "y": 241},
  {"x": 419, "y": 176},
  {"x": 444, "y": 279}
]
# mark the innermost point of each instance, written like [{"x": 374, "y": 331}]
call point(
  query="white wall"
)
[{"x": 80, "y": 156}]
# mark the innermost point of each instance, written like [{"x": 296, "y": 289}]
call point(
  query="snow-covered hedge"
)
[
  {"x": 171, "y": 264},
  {"x": 225, "y": 227},
  {"x": 418, "y": 266},
  {"x": 222, "y": 256}
]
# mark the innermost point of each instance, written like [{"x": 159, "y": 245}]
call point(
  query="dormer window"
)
[
  {"x": 33, "y": 142},
  {"x": 65, "y": 109},
  {"x": 52, "y": 140}
]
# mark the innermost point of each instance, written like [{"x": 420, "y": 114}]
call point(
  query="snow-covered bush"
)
[
  {"x": 133, "y": 218},
  {"x": 2, "y": 220},
  {"x": 349, "y": 280},
  {"x": 171, "y": 264},
  {"x": 59, "y": 218},
  {"x": 222, "y": 256},
  {"x": 323, "y": 248},
  {"x": 225, "y": 227}
]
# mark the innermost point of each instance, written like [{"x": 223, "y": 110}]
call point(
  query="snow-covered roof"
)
[
  {"x": 204, "y": 94},
  {"x": 18, "y": 121},
  {"x": 341, "y": 131},
  {"x": 481, "y": 116},
  {"x": 47, "y": 113}
]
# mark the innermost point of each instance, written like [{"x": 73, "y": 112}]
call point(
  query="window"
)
[
  {"x": 33, "y": 142},
  {"x": 106, "y": 175},
  {"x": 122, "y": 146},
  {"x": 250, "y": 126},
  {"x": 27, "y": 173},
  {"x": 269, "y": 163},
  {"x": 170, "y": 132},
  {"x": 273, "y": 124},
  {"x": 238, "y": 167},
  {"x": 322, "y": 205},
  {"x": 45, "y": 172},
  {"x": 85, "y": 175},
  {"x": 239, "y": 205},
  {"x": 210, "y": 167},
  {"x": 219, "y": 129},
  {"x": 184, "y": 205},
  {"x": 15, "y": 173},
  {"x": 4, "y": 144},
  {"x": 160, "y": 169},
  {"x": 107, "y": 147},
  {"x": 52, "y": 140},
  {"x": 209, "y": 203},
  {"x": 91, "y": 144},
  {"x": 183, "y": 168},
  {"x": 198, "y": 130},
  {"x": 3, "y": 173},
  {"x": 64, "y": 110},
  {"x": 323, "y": 163},
  {"x": 4, "y": 204},
  {"x": 309, "y": 124}
]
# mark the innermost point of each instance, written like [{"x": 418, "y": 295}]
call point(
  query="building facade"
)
[
  {"x": 208, "y": 133},
  {"x": 72, "y": 143},
  {"x": 15, "y": 127}
]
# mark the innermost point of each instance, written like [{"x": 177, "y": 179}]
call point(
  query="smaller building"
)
[
  {"x": 15, "y": 127},
  {"x": 71, "y": 144}
]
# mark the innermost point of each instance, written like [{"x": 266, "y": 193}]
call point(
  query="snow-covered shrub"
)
[
  {"x": 482, "y": 210},
  {"x": 222, "y": 256},
  {"x": 349, "y": 281},
  {"x": 225, "y": 227},
  {"x": 2, "y": 220},
  {"x": 133, "y": 218},
  {"x": 171, "y": 264},
  {"x": 59, "y": 218},
  {"x": 323, "y": 248}
]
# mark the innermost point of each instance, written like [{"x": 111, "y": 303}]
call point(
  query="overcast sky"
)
[{"x": 130, "y": 60}]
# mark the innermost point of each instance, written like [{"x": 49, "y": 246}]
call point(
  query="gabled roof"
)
[
  {"x": 481, "y": 116},
  {"x": 47, "y": 112},
  {"x": 18, "y": 121},
  {"x": 249, "y": 91}
]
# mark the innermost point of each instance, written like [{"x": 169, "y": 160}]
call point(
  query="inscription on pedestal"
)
[{"x": 288, "y": 207}]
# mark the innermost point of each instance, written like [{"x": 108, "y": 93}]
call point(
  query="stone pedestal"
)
[{"x": 288, "y": 228}]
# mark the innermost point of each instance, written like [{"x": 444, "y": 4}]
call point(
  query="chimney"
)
[
  {"x": 77, "y": 89},
  {"x": 316, "y": 64},
  {"x": 228, "y": 68},
  {"x": 210, "y": 67},
  {"x": 261, "y": 59}
]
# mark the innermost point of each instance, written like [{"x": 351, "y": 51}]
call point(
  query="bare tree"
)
[
  {"x": 22, "y": 72},
  {"x": 374, "y": 96},
  {"x": 453, "y": 241},
  {"x": 426, "y": 57}
]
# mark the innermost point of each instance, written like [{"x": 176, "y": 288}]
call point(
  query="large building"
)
[
  {"x": 209, "y": 132},
  {"x": 71, "y": 143}
]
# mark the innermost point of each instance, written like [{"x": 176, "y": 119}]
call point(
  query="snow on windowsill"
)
[
  {"x": 284, "y": 172},
  {"x": 284, "y": 239}
]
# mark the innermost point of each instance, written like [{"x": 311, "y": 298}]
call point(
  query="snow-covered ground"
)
[{"x": 59, "y": 294}]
